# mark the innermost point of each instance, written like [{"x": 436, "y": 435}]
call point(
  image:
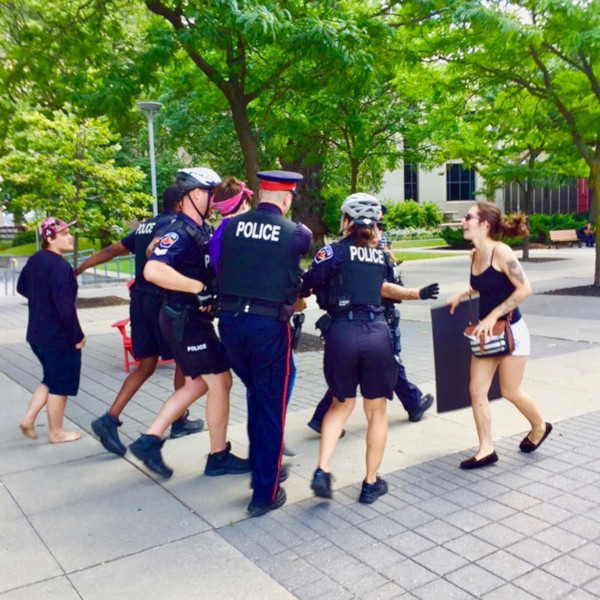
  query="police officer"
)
[
  {"x": 148, "y": 343},
  {"x": 259, "y": 280},
  {"x": 412, "y": 398},
  {"x": 180, "y": 264},
  {"x": 348, "y": 279}
]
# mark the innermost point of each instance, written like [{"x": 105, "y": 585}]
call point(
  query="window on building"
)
[
  {"x": 460, "y": 182},
  {"x": 411, "y": 182}
]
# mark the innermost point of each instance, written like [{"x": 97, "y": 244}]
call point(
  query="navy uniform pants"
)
[
  {"x": 408, "y": 393},
  {"x": 259, "y": 349}
]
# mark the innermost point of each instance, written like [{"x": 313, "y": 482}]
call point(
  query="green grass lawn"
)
[{"x": 29, "y": 249}]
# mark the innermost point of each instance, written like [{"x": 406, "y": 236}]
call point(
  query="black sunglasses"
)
[{"x": 469, "y": 216}]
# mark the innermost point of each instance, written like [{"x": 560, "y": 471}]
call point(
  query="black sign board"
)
[{"x": 452, "y": 357}]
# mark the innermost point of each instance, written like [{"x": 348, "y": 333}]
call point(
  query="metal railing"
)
[{"x": 122, "y": 268}]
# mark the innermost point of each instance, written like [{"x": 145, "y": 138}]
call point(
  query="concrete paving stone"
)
[
  {"x": 439, "y": 531},
  {"x": 438, "y": 507},
  {"x": 572, "y": 570},
  {"x": 495, "y": 511},
  {"x": 388, "y": 591},
  {"x": 410, "y": 516},
  {"x": 241, "y": 542},
  {"x": 290, "y": 570},
  {"x": 508, "y": 592},
  {"x": 466, "y": 520},
  {"x": 594, "y": 514},
  {"x": 441, "y": 588},
  {"x": 381, "y": 527},
  {"x": 378, "y": 555},
  {"x": 298, "y": 529},
  {"x": 464, "y": 498},
  {"x": 470, "y": 547},
  {"x": 323, "y": 588},
  {"x": 199, "y": 563},
  {"x": 577, "y": 503},
  {"x": 409, "y": 574},
  {"x": 581, "y": 595},
  {"x": 548, "y": 512},
  {"x": 505, "y": 565},
  {"x": 498, "y": 535},
  {"x": 308, "y": 548},
  {"x": 19, "y": 538},
  {"x": 562, "y": 540},
  {"x": 410, "y": 543},
  {"x": 351, "y": 538},
  {"x": 347, "y": 571},
  {"x": 544, "y": 585},
  {"x": 474, "y": 580},
  {"x": 589, "y": 553},
  {"x": 582, "y": 526},
  {"x": 9, "y": 509},
  {"x": 584, "y": 476},
  {"x": 534, "y": 551},
  {"x": 593, "y": 588},
  {"x": 57, "y": 588},
  {"x": 517, "y": 500},
  {"x": 440, "y": 560},
  {"x": 525, "y": 524},
  {"x": 488, "y": 488}
]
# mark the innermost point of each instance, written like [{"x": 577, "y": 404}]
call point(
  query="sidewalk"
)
[{"x": 77, "y": 522}]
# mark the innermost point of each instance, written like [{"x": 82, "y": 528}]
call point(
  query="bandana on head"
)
[
  {"x": 226, "y": 207},
  {"x": 51, "y": 226}
]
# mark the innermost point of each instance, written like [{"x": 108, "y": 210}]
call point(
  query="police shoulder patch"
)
[
  {"x": 167, "y": 241},
  {"x": 324, "y": 254}
]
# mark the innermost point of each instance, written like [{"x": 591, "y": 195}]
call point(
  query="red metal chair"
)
[{"x": 129, "y": 358}]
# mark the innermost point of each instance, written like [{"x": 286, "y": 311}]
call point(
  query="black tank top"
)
[{"x": 494, "y": 288}]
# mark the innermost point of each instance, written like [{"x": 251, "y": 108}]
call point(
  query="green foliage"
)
[
  {"x": 404, "y": 215},
  {"x": 540, "y": 225},
  {"x": 454, "y": 238},
  {"x": 65, "y": 166},
  {"x": 26, "y": 236}
]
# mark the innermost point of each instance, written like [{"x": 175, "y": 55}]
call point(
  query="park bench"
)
[{"x": 563, "y": 236}]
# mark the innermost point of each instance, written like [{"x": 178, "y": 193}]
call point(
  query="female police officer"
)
[{"x": 347, "y": 278}]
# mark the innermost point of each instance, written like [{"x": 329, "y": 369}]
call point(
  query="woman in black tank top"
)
[{"x": 502, "y": 285}]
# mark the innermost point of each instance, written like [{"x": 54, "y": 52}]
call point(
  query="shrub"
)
[
  {"x": 27, "y": 236},
  {"x": 454, "y": 238},
  {"x": 410, "y": 215},
  {"x": 540, "y": 225}
]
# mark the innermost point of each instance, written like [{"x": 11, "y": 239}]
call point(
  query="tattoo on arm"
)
[{"x": 515, "y": 271}]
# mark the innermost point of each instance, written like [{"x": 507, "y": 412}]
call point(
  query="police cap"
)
[{"x": 279, "y": 181}]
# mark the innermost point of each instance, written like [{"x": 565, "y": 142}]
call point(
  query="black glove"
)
[
  {"x": 207, "y": 297},
  {"x": 429, "y": 291}
]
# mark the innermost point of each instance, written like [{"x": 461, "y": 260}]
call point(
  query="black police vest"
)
[
  {"x": 256, "y": 259},
  {"x": 196, "y": 264},
  {"x": 143, "y": 235},
  {"x": 359, "y": 280}
]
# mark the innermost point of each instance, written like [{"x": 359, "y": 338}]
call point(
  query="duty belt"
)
[
  {"x": 358, "y": 316},
  {"x": 248, "y": 308}
]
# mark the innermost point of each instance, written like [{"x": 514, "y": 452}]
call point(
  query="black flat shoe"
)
[
  {"x": 528, "y": 446},
  {"x": 473, "y": 463}
]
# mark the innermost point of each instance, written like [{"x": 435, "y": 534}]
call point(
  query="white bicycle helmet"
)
[
  {"x": 362, "y": 209},
  {"x": 197, "y": 177}
]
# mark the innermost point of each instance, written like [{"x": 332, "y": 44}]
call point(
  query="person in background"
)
[
  {"x": 53, "y": 330},
  {"x": 502, "y": 285},
  {"x": 148, "y": 342},
  {"x": 586, "y": 233}
]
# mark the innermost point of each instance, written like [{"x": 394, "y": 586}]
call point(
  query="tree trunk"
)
[{"x": 595, "y": 183}]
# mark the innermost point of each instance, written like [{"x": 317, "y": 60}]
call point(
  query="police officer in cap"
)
[
  {"x": 259, "y": 281},
  {"x": 148, "y": 343},
  {"x": 349, "y": 280},
  {"x": 180, "y": 265}
]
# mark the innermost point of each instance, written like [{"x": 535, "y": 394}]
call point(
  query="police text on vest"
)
[
  {"x": 371, "y": 255},
  {"x": 258, "y": 231}
]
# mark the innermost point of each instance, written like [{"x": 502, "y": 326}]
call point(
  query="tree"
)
[
  {"x": 549, "y": 49},
  {"x": 65, "y": 167}
]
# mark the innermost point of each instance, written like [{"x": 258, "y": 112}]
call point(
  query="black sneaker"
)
[
  {"x": 184, "y": 426},
  {"x": 316, "y": 426},
  {"x": 258, "y": 510},
  {"x": 424, "y": 404},
  {"x": 224, "y": 462},
  {"x": 105, "y": 427},
  {"x": 147, "y": 449},
  {"x": 321, "y": 484},
  {"x": 371, "y": 491}
]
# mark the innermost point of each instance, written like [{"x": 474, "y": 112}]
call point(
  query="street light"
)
[{"x": 149, "y": 108}]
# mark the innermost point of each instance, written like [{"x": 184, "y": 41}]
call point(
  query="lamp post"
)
[{"x": 149, "y": 109}]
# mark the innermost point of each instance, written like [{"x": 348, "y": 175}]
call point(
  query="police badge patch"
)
[
  {"x": 324, "y": 254},
  {"x": 166, "y": 242}
]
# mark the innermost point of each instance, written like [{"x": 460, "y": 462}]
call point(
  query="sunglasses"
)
[{"x": 469, "y": 216}]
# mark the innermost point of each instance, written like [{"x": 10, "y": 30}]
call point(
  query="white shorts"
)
[{"x": 520, "y": 333}]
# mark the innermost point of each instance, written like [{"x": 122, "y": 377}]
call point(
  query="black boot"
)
[
  {"x": 185, "y": 426},
  {"x": 105, "y": 427},
  {"x": 147, "y": 449}
]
